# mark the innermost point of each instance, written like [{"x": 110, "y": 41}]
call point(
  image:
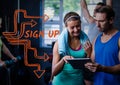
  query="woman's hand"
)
[
  {"x": 88, "y": 48},
  {"x": 67, "y": 57}
]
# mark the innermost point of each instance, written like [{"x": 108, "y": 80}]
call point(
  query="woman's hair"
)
[
  {"x": 71, "y": 16},
  {"x": 107, "y": 10}
]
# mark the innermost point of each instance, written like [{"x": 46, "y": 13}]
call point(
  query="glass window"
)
[
  {"x": 56, "y": 9},
  {"x": 53, "y": 9},
  {"x": 51, "y": 33},
  {"x": 91, "y": 5}
]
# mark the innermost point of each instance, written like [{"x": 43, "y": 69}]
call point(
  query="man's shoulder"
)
[
  {"x": 119, "y": 41},
  {"x": 118, "y": 38}
]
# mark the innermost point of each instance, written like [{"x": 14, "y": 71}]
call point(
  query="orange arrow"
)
[
  {"x": 26, "y": 44},
  {"x": 15, "y": 40},
  {"x": 45, "y": 57},
  {"x": 32, "y": 23},
  {"x": 14, "y": 33}
]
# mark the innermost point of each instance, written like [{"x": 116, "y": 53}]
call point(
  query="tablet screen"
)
[{"x": 78, "y": 63}]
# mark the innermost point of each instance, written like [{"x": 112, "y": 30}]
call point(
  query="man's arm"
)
[
  {"x": 109, "y": 2},
  {"x": 109, "y": 69},
  {"x": 93, "y": 52},
  {"x": 85, "y": 11},
  {"x": 119, "y": 49},
  {"x": 8, "y": 53},
  {"x": 112, "y": 69}
]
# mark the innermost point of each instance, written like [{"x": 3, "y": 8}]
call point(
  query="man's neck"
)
[
  {"x": 111, "y": 31},
  {"x": 108, "y": 35}
]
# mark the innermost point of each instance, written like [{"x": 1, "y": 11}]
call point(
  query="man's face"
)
[{"x": 102, "y": 22}]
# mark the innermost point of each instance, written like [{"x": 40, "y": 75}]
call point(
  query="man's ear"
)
[{"x": 111, "y": 20}]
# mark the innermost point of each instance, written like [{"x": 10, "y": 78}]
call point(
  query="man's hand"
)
[
  {"x": 93, "y": 67},
  {"x": 2, "y": 64}
]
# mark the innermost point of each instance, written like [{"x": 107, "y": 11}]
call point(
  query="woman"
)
[
  {"x": 69, "y": 45},
  {"x": 5, "y": 50}
]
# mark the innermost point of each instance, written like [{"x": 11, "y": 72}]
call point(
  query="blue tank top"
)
[{"x": 107, "y": 54}]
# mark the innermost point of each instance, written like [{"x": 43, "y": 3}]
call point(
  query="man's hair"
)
[
  {"x": 101, "y": 4},
  {"x": 107, "y": 10}
]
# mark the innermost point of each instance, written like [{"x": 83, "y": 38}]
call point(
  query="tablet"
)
[{"x": 78, "y": 63}]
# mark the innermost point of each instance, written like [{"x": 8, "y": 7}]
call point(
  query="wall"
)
[
  {"x": 116, "y": 7},
  {"x": 32, "y": 69}
]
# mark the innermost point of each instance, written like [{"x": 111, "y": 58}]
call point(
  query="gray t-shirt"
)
[{"x": 90, "y": 29}]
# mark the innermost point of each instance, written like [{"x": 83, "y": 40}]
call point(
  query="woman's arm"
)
[
  {"x": 109, "y": 2},
  {"x": 57, "y": 63}
]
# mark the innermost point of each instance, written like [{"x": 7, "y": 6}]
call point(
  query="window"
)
[
  {"x": 56, "y": 9},
  {"x": 91, "y": 5},
  {"x": 52, "y": 27}
]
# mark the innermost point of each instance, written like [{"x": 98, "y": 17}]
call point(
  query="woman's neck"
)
[{"x": 74, "y": 43}]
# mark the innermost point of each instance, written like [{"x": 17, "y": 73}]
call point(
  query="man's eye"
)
[
  {"x": 78, "y": 26},
  {"x": 72, "y": 27}
]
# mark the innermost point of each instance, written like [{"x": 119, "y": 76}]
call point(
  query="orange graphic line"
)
[
  {"x": 15, "y": 40},
  {"x": 46, "y": 57},
  {"x": 26, "y": 44},
  {"x": 25, "y": 16}
]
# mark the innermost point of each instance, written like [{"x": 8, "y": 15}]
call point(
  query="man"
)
[
  {"x": 91, "y": 28},
  {"x": 5, "y": 50},
  {"x": 106, "y": 49}
]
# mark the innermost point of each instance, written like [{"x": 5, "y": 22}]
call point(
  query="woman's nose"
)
[{"x": 75, "y": 29}]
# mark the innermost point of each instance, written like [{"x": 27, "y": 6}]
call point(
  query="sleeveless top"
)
[
  {"x": 107, "y": 54},
  {"x": 69, "y": 75},
  {"x": 0, "y": 47},
  {"x": 63, "y": 41}
]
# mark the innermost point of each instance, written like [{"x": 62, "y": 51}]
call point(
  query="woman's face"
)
[{"x": 74, "y": 28}]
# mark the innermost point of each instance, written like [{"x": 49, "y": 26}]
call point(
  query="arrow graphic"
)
[{"x": 16, "y": 39}]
